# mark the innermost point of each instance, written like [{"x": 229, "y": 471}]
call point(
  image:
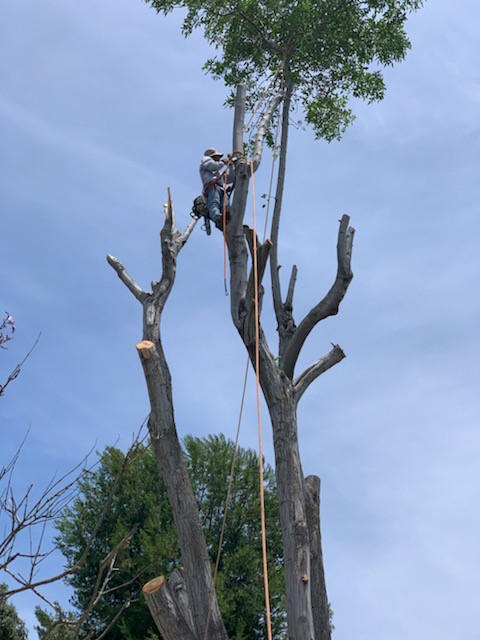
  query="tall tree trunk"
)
[
  {"x": 293, "y": 513},
  {"x": 306, "y": 599},
  {"x": 168, "y": 603}
]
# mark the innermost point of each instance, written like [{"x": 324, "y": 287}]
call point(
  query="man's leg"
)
[{"x": 215, "y": 203}]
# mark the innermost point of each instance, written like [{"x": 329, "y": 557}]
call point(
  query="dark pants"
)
[{"x": 215, "y": 202}]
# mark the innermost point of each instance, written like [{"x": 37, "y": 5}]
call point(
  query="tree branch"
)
[
  {"x": 238, "y": 118},
  {"x": 329, "y": 305},
  {"x": 310, "y": 374},
  {"x": 268, "y": 44},
  {"x": 288, "y": 304},
  {"x": 186, "y": 234},
  {"x": 263, "y": 128},
  {"x": 16, "y": 371},
  {"x": 127, "y": 279},
  {"x": 47, "y": 508},
  {"x": 274, "y": 268}
]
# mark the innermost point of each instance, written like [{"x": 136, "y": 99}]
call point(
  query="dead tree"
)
[
  {"x": 23, "y": 545},
  {"x": 182, "y": 603}
]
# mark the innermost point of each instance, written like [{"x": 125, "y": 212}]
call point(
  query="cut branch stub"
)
[
  {"x": 167, "y": 610},
  {"x": 145, "y": 348}
]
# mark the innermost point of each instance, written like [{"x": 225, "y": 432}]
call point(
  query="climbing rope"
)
[
  {"x": 274, "y": 158},
  {"x": 228, "y": 498},
  {"x": 224, "y": 225},
  {"x": 259, "y": 416}
]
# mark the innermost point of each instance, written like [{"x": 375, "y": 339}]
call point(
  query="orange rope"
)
[
  {"x": 259, "y": 417},
  {"x": 224, "y": 224}
]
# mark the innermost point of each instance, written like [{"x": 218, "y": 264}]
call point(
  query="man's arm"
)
[{"x": 209, "y": 164}]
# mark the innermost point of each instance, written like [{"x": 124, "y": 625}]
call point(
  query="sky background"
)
[{"x": 102, "y": 106}]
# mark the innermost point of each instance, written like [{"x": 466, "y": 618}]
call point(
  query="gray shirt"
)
[{"x": 210, "y": 169}]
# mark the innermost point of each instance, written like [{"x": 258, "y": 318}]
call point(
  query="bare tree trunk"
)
[
  {"x": 293, "y": 513},
  {"x": 198, "y": 582},
  {"x": 306, "y": 597}
]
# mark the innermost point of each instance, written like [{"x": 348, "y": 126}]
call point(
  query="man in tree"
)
[{"x": 217, "y": 186}]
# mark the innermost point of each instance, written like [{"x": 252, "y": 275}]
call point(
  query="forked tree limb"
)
[
  {"x": 127, "y": 279},
  {"x": 329, "y": 305},
  {"x": 310, "y": 374}
]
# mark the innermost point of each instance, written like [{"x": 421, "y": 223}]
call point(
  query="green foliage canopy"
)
[
  {"x": 327, "y": 51},
  {"x": 141, "y": 499},
  {"x": 11, "y": 627},
  {"x": 51, "y": 624}
]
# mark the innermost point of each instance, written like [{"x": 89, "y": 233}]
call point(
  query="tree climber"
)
[{"x": 217, "y": 185}]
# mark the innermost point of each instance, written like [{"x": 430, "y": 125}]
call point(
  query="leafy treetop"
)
[{"x": 326, "y": 51}]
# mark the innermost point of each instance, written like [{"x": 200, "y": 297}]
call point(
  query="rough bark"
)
[
  {"x": 320, "y": 606},
  {"x": 293, "y": 515},
  {"x": 168, "y": 603},
  {"x": 197, "y": 569}
]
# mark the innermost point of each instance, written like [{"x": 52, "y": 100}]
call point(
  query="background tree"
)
[
  {"x": 320, "y": 54},
  {"x": 141, "y": 501},
  {"x": 53, "y": 627},
  {"x": 11, "y": 627}
]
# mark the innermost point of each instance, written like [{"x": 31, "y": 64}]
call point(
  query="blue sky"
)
[{"x": 104, "y": 105}]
